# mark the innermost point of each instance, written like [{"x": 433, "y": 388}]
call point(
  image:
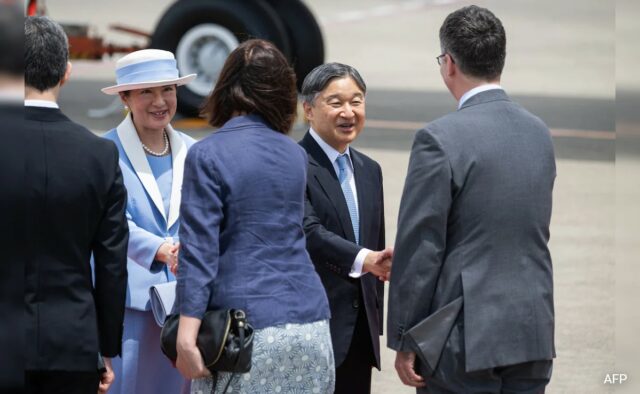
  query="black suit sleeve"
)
[
  {"x": 110, "y": 256},
  {"x": 421, "y": 237},
  {"x": 381, "y": 246},
  {"x": 325, "y": 247}
]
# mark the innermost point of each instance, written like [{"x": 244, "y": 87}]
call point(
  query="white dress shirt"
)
[
  {"x": 476, "y": 90},
  {"x": 332, "y": 154},
  {"x": 40, "y": 103}
]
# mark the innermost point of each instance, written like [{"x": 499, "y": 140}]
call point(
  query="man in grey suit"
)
[{"x": 471, "y": 291}]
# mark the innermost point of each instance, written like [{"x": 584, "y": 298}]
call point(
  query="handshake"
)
[
  {"x": 379, "y": 263},
  {"x": 168, "y": 254}
]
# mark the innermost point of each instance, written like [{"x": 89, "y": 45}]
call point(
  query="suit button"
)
[{"x": 356, "y": 304}]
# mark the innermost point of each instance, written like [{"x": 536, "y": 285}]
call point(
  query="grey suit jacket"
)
[{"x": 474, "y": 223}]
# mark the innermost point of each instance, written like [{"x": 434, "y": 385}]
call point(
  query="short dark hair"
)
[
  {"x": 256, "y": 78},
  {"x": 474, "y": 37},
  {"x": 11, "y": 40},
  {"x": 318, "y": 79},
  {"x": 46, "y": 53}
]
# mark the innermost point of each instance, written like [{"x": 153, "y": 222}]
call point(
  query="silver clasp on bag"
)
[{"x": 240, "y": 317}]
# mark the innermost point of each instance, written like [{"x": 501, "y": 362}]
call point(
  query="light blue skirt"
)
[
  {"x": 143, "y": 369},
  {"x": 291, "y": 358}
]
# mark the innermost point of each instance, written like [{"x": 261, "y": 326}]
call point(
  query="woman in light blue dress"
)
[{"x": 152, "y": 156}]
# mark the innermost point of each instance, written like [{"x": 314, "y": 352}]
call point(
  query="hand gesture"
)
[
  {"x": 379, "y": 263},
  {"x": 168, "y": 254},
  {"x": 175, "y": 250}
]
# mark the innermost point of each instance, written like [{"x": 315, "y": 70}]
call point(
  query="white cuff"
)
[{"x": 356, "y": 268}]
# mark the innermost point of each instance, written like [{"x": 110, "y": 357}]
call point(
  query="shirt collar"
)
[
  {"x": 40, "y": 103},
  {"x": 476, "y": 90},
  {"x": 328, "y": 150}
]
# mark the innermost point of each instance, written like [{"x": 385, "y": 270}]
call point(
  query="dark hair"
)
[
  {"x": 256, "y": 78},
  {"x": 11, "y": 40},
  {"x": 318, "y": 79},
  {"x": 475, "y": 39},
  {"x": 46, "y": 53}
]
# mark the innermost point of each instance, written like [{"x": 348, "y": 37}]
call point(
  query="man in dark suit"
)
[
  {"x": 471, "y": 287},
  {"x": 76, "y": 203},
  {"x": 344, "y": 221},
  {"x": 12, "y": 174}
]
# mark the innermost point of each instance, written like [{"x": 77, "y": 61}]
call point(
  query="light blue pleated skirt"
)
[
  {"x": 291, "y": 358},
  {"x": 143, "y": 369}
]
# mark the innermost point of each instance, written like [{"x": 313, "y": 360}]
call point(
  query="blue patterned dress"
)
[{"x": 291, "y": 358}]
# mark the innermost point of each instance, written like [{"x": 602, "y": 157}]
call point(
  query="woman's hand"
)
[
  {"x": 174, "y": 268},
  {"x": 189, "y": 362},
  {"x": 168, "y": 254}
]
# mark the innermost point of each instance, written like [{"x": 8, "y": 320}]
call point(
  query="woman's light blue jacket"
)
[{"x": 149, "y": 225}]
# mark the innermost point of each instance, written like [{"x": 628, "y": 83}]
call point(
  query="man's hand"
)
[
  {"x": 405, "y": 364},
  {"x": 107, "y": 377},
  {"x": 379, "y": 263}
]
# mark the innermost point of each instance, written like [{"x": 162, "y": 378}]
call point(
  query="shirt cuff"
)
[{"x": 356, "y": 268}]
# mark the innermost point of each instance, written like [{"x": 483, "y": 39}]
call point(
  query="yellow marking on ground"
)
[
  {"x": 589, "y": 134},
  {"x": 190, "y": 123}
]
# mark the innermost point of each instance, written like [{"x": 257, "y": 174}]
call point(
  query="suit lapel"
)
[
  {"x": 179, "y": 154},
  {"x": 322, "y": 170},
  {"x": 133, "y": 148}
]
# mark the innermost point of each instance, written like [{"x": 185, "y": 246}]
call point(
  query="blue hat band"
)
[{"x": 149, "y": 71}]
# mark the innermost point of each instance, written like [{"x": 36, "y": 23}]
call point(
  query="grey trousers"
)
[{"x": 450, "y": 376}]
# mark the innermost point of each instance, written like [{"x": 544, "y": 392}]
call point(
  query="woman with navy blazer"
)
[
  {"x": 152, "y": 156},
  {"x": 243, "y": 243}
]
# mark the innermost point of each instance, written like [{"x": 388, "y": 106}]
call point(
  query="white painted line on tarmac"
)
[
  {"x": 384, "y": 11},
  {"x": 394, "y": 124}
]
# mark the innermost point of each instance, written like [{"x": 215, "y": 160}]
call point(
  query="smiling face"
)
[
  {"x": 151, "y": 108},
  {"x": 337, "y": 113}
]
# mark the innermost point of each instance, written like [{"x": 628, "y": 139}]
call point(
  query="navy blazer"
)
[
  {"x": 76, "y": 202},
  {"x": 243, "y": 245}
]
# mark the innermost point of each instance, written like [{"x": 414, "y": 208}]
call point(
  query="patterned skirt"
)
[{"x": 290, "y": 358}]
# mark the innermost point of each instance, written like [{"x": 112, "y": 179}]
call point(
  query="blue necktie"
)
[{"x": 348, "y": 194}]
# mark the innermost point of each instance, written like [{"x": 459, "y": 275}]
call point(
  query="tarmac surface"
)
[{"x": 560, "y": 65}]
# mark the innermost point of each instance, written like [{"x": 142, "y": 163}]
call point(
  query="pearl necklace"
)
[{"x": 164, "y": 151}]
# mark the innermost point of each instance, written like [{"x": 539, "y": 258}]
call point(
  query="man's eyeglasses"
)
[{"x": 441, "y": 56}]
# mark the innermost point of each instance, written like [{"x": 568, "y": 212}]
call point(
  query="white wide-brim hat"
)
[{"x": 147, "y": 68}]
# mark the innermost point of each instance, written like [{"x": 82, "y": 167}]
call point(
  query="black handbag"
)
[{"x": 225, "y": 340}]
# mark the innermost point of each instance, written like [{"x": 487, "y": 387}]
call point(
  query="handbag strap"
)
[
  {"x": 215, "y": 383},
  {"x": 241, "y": 322}
]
